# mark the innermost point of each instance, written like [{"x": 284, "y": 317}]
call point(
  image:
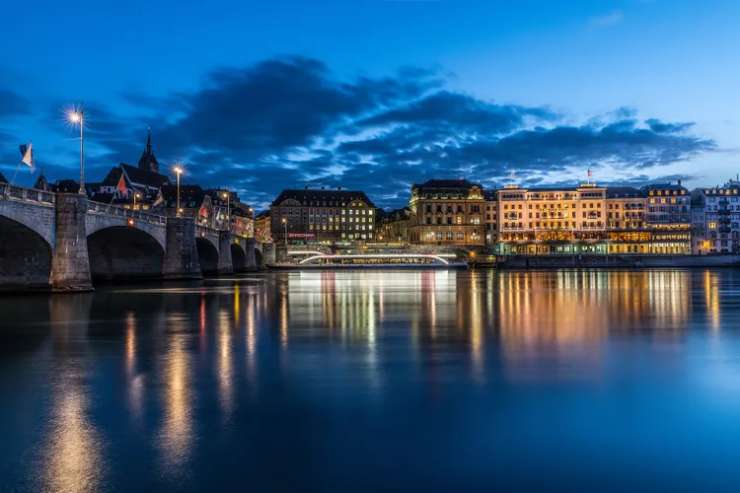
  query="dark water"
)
[{"x": 377, "y": 381}]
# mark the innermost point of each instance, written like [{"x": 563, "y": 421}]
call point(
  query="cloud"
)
[
  {"x": 291, "y": 122},
  {"x": 607, "y": 20},
  {"x": 12, "y": 103}
]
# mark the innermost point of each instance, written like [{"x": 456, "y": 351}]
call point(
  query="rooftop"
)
[{"x": 307, "y": 196}]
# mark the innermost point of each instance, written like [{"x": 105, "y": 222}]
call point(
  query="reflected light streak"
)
[
  {"x": 175, "y": 439},
  {"x": 225, "y": 389},
  {"x": 74, "y": 454}
]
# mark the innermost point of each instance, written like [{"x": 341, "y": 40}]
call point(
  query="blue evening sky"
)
[{"x": 377, "y": 94}]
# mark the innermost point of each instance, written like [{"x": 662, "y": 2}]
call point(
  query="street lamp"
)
[
  {"x": 178, "y": 171},
  {"x": 77, "y": 117},
  {"x": 137, "y": 195},
  {"x": 227, "y": 196},
  {"x": 285, "y": 225}
]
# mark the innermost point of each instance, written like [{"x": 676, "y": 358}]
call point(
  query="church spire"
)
[
  {"x": 148, "y": 140},
  {"x": 147, "y": 161}
]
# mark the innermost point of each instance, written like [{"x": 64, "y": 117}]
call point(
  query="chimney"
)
[{"x": 679, "y": 183}]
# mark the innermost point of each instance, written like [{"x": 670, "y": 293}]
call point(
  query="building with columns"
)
[{"x": 447, "y": 212}]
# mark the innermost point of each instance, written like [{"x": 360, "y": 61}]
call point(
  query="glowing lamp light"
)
[
  {"x": 130, "y": 222},
  {"x": 74, "y": 116}
]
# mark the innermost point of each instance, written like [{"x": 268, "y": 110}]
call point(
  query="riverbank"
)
[{"x": 616, "y": 261}]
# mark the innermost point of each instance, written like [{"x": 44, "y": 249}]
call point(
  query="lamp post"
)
[
  {"x": 227, "y": 196},
  {"x": 178, "y": 171},
  {"x": 77, "y": 117},
  {"x": 285, "y": 237},
  {"x": 137, "y": 195}
]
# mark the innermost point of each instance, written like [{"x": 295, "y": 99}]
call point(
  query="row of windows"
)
[
  {"x": 449, "y": 209},
  {"x": 553, "y": 224},
  {"x": 586, "y": 205}
]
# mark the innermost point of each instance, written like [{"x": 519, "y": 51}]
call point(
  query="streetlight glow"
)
[
  {"x": 77, "y": 117},
  {"x": 178, "y": 171}
]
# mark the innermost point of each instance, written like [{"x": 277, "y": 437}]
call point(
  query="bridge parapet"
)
[
  {"x": 12, "y": 192},
  {"x": 118, "y": 211}
]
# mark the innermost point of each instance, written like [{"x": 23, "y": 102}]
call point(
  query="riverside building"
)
[
  {"x": 447, "y": 213},
  {"x": 541, "y": 221},
  {"x": 324, "y": 216},
  {"x": 716, "y": 219}
]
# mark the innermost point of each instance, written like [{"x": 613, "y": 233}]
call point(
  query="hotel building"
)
[
  {"x": 539, "y": 221},
  {"x": 447, "y": 212},
  {"x": 625, "y": 220},
  {"x": 716, "y": 219},
  {"x": 324, "y": 216},
  {"x": 668, "y": 218}
]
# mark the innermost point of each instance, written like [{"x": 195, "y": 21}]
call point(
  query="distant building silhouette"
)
[{"x": 148, "y": 161}]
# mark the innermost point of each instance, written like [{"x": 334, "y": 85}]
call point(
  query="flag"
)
[
  {"x": 589, "y": 173},
  {"x": 27, "y": 155},
  {"x": 159, "y": 200},
  {"x": 121, "y": 188}
]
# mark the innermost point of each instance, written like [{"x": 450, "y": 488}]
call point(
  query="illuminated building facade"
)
[
  {"x": 263, "y": 227},
  {"x": 324, "y": 216},
  {"x": 716, "y": 219},
  {"x": 668, "y": 218},
  {"x": 625, "y": 220},
  {"x": 491, "y": 218},
  {"x": 393, "y": 226},
  {"x": 447, "y": 212},
  {"x": 540, "y": 221}
]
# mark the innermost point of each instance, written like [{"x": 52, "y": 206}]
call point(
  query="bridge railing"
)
[
  {"x": 115, "y": 210},
  {"x": 12, "y": 192}
]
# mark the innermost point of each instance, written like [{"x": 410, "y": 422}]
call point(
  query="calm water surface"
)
[{"x": 377, "y": 381}]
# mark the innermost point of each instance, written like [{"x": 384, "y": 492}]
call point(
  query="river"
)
[{"x": 350, "y": 381}]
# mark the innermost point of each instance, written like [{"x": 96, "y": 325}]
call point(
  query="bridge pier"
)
[
  {"x": 181, "y": 254},
  {"x": 251, "y": 256},
  {"x": 225, "y": 262},
  {"x": 70, "y": 265}
]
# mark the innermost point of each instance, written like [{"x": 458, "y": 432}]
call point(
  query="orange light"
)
[{"x": 130, "y": 221}]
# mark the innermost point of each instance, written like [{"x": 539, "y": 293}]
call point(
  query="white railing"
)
[
  {"x": 118, "y": 211},
  {"x": 11, "y": 192},
  {"x": 370, "y": 256}
]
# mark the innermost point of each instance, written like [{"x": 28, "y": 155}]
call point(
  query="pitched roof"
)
[
  {"x": 309, "y": 196},
  {"x": 446, "y": 184},
  {"x": 623, "y": 192},
  {"x": 191, "y": 196},
  {"x": 144, "y": 177}
]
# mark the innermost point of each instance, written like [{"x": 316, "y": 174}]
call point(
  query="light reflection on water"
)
[{"x": 481, "y": 377}]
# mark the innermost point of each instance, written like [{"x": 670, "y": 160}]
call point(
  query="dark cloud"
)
[
  {"x": 291, "y": 122},
  {"x": 663, "y": 127},
  {"x": 446, "y": 110},
  {"x": 12, "y": 103},
  {"x": 281, "y": 104}
]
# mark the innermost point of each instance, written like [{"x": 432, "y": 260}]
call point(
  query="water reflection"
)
[
  {"x": 72, "y": 452},
  {"x": 176, "y": 435},
  {"x": 254, "y": 357}
]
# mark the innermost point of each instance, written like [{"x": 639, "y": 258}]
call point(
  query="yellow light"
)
[{"x": 178, "y": 170}]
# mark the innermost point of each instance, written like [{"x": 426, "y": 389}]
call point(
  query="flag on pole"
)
[
  {"x": 27, "y": 154},
  {"x": 121, "y": 187},
  {"x": 159, "y": 200}
]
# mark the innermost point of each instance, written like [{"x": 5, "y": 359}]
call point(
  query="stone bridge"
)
[{"x": 64, "y": 242}]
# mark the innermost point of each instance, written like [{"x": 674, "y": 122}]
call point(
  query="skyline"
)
[{"x": 262, "y": 100}]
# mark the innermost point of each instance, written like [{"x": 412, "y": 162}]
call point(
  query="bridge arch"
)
[
  {"x": 121, "y": 252},
  {"x": 25, "y": 256},
  {"x": 238, "y": 258},
  {"x": 207, "y": 255}
]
